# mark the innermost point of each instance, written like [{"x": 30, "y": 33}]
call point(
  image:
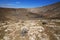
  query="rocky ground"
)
[
  {"x": 30, "y": 30},
  {"x": 41, "y": 23}
]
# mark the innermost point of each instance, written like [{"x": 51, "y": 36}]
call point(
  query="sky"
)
[{"x": 26, "y": 3}]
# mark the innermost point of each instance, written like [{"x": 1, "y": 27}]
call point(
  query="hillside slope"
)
[
  {"x": 50, "y": 11},
  {"x": 26, "y": 23},
  {"x": 47, "y": 12}
]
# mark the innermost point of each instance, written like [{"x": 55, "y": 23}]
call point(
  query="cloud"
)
[
  {"x": 13, "y": 4},
  {"x": 18, "y": 2}
]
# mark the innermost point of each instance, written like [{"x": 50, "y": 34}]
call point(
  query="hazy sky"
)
[{"x": 26, "y": 3}]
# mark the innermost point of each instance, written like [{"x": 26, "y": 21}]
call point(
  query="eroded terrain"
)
[
  {"x": 30, "y": 30},
  {"x": 41, "y": 23}
]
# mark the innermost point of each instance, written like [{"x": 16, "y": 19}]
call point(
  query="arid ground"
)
[{"x": 41, "y": 23}]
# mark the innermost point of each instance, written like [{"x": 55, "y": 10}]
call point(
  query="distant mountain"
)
[{"x": 47, "y": 12}]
